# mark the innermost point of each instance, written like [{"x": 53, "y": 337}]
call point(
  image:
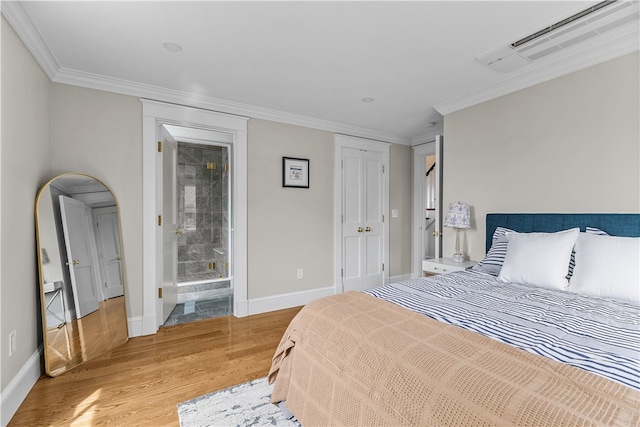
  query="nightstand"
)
[{"x": 444, "y": 265}]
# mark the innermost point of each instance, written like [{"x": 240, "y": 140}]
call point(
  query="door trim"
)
[
  {"x": 420, "y": 153},
  {"x": 363, "y": 144},
  {"x": 154, "y": 115}
]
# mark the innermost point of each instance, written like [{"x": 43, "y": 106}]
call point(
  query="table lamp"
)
[{"x": 458, "y": 217}]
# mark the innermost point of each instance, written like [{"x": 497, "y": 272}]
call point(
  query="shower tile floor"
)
[{"x": 202, "y": 301}]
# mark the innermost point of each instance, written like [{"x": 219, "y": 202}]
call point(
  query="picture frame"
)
[{"x": 295, "y": 172}]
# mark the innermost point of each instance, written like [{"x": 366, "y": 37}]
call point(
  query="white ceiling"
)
[{"x": 305, "y": 62}]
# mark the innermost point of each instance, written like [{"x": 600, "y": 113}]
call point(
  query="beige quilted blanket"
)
[{"x": 353, "y": 359}]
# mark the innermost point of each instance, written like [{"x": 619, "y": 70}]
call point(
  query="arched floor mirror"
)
[{"x": 81, "y": 271}]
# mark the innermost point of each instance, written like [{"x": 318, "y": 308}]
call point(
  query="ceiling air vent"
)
[{"x": 587, "y": 24}]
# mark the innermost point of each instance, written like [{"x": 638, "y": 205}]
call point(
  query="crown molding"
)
[
  {"x": 25, "y": 29},
  {"x": 125, "y": 87},
  {"x": 22, "y": 25},
  {"x": 606, "y": 48},
  {"x": 427, "y": 137}
]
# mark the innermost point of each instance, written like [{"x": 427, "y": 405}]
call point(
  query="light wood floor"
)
[
  {"x": 141, "y": 382},
  {"x": 83, "y": 339}
]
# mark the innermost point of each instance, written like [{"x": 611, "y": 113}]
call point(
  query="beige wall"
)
[
  {"x": 24, "y": 168},
  {"x": 289, "y": 228},
  {"x": 567, "y": 145},
  {"x": 400, "y": 196},
  {"x": 100, "y": 134}
]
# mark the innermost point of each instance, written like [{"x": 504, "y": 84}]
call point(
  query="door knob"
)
[
  {"x": 118, "y": 258},
  {"x": 178, "y": 231},
  {"x": 359, "y": 229},
  {"x": 367, "y": 229},
  {"x": 73, "y": 262}
]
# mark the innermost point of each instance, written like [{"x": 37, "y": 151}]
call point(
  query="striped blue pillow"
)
[
  {"x": 492, "y": 262},
  {"x": 593, "y": 230}
]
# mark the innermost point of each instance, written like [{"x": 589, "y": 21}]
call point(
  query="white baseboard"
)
[
  {"x": 16, "y": 391},
  {"x": 135, "y": 325},
  {"x": 282, "y": 301},
  {"x": 396, "y": 279}
]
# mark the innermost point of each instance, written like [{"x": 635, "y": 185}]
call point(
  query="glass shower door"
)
[{"x": 203, "y": 213}]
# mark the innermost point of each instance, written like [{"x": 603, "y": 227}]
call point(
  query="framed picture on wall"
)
[{"x": 295, "y": 172}]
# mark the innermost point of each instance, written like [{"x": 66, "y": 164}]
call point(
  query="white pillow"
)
[
  {"x": 540, "y": 259},
  {"x": 607, "y": 266}
]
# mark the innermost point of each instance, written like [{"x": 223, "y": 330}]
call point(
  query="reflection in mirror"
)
[{"x": 81, "y": 271}]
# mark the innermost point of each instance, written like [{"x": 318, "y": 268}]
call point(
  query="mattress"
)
[
  {"x": 599, "y": 335},
  {"x": 460, "y": 349}
]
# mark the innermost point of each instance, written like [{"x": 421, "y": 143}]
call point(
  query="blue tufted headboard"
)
[{"x": 614, "y": 224}]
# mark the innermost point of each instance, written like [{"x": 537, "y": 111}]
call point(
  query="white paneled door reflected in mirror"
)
[{"x": 81, "y": 278}]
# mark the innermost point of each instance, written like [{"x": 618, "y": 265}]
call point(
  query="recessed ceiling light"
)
[
  {"x": 172, "y": 47},
  {"x": 367, "y": 99}
]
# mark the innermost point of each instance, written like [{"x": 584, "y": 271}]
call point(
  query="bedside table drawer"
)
[{"x": 444, "y": 265}]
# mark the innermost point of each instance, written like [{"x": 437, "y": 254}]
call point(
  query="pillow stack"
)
[{"x": 591, "y": 263}]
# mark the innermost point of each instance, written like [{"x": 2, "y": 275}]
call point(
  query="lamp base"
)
[{"x": 458, "y": 257}]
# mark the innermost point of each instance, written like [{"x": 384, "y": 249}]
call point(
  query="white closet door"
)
[
  {"x": 108, "y": 234},
  {"x": 362, "y": 213},
  {"x": 373, "y": 214},
  {"x": 77, "y": 229},
  {"x": 352, "y": 214}
]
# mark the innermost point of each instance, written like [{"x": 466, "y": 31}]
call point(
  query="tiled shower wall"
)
[{"x": 203, "y": 213}]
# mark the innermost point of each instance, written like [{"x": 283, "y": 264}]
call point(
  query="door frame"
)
[
  {"x": 420, "y": 153},
  {"x": 341, "y": 141},
  {"x": 156, "y": 114}
]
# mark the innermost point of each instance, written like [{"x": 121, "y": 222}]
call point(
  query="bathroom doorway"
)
[
  {"x": 198, "y": 125},
  {"x": 203, "y": 204}
]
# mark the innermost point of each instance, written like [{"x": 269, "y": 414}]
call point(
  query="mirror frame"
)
[{"x": 77, "y": 331}]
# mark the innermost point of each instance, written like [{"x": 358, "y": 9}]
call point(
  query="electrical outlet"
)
[
  {"x": 12, "y": 343},
  {"x": 300, "y": 274}
]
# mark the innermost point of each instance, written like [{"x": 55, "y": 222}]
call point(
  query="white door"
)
[
  {"x": 437, "y": 234},
  {"x": 77, "y": 230},
  {"x": 427, "y": 233},
  {"x": 106, "y": 220},
  {"x": 169, "y": 224},
  {"x": 362, "y": 224}
]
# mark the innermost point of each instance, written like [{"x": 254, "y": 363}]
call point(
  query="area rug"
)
[{"x": 245, "y": 404}]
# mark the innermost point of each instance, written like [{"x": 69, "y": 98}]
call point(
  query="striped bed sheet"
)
[{"x": 599, "y": 335}]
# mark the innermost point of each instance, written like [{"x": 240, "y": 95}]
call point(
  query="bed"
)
[{"x": 507, "y": 343}]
